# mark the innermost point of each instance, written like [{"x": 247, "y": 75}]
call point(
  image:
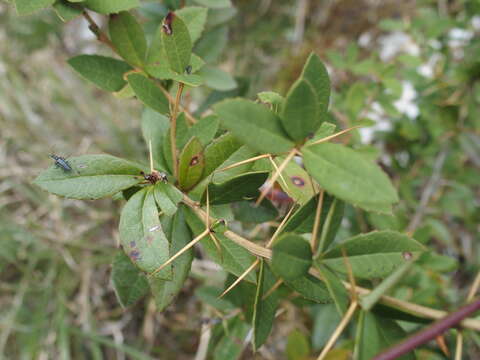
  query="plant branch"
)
[
  {"x": 171, "y": 100},
  {"x": 94, "y": 28},
  {"x": 173, "y": 129},
  {"x": 405, "y": 306},
  {"x": 275, "y": 176},
  {"x": 430, "y": 332},
  {"x": 103, "y": 38}
]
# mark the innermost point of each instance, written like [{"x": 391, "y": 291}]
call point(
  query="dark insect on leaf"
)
[
  {"x": 188, "y": 69},
  {"x": 154, "y": 177},
  {"x": 61, "y": 162}
]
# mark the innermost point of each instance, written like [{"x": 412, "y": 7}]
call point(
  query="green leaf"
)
[
  {"x": 217, "y": 79},
  {"x": 92, "y": 177},
  {"x": 263, "y": 308},
  {"x": 159, "y": 67},
  {"x": 106, "y": 73},
  {"x": 326, "y": 129},
  {"x": 375, "y": 334},
  {"x": 194, "y": 18},
  {"x": 167, "y": 197},
  {"x": 183, "y": 131},
  {"x": 219, "y": 151},
  {"x": 154, "y": 127},
  {"x": 129, "y": 283},
  {"x": 330, "y": 218},
  {"x": 372, "y": 255},
  {"x": 253, "y": 124},
  {"x": 298, "y": 184},
  {"x": 212, "y": 44},
  {"x": 164, "y": 291},
  {"x": 205, "y": 129},
  {"x": 317, "y": 75},
  {"x": 25, "y": 7},
  {"x": 368, "y": 301},
  {"x": 310, "y": 288},
  {"x": 325, "y": 321},
  {"x": 298, "y": 347},
  {"x": 272, "y": 98},
  {"x": 211, "y": 295},
  {"x": 231, "y": 344},
  {"x": 291, "y": 256},
  {"x": 191, "y": 164},
  {"x": 128, "y": 38},
  {"x": 111, "y": 6},
  {"x": 125, "y": 93},
  {"x": 239, "y": 188},
  {"x": 161, "y": 70},
  {"x": 67, "y": 11},
  {"x": 335, "y": 288},
  {"x": 224, "y": 144},
  {"x": 300, "y": 111},
  {"x": 347, "y": 175},
  {"x": 176, "y": 42},
  {"x": 142, "y": 236},
  {"x": 233, "y": 258},
  {"x": 148, "y": 93},
  {"x": 215, "y": 4},
  {"x": 246, "y": 211}
]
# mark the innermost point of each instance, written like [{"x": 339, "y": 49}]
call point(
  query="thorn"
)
[
  {"x": 276, "y": 169},
  {"x": 217, "y": 245},
  {"x": 180, "y": 252},
  {"x": 272, "y": 289},
  {"x": 279, "y": 228},
  {"x": 334, "y": 135},
  {"x": 275, "y": 176},
  {"x": 240, "y": 278},
  {"x": 208, "y": 210},
  {"x": 351, "y": 278},
  {"x": 316, "y": 224},
  {"x": 442, "y": 345},
  {"x": 338, "y": 331},
  {"x": 244, "y": 162},
  {"x": 150, "y": 155}
]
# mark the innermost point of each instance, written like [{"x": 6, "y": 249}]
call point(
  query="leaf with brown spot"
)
[
  {"x": 191, "y": 164},
  {"x": 142, "y": 236},
  {"x": 297, "y": 183}
]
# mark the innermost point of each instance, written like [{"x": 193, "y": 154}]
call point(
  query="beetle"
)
[{"x": 61, "y": 162}]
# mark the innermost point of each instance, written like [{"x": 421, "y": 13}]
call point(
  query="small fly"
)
[{"x": 61, "y": 162}]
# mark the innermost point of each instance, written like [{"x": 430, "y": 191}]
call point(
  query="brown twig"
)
[
  {"x": 429, "y": 333},
  {"x": 94, "y": 28}
]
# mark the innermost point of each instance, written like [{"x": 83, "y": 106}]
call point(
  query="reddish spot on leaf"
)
[
  {"x": 194, "y": 161},
  {"x": 297, "y": 181},
  {"x": 407, "y": 255},
  {"x": 134, "y": 255},
  {"x": 167, "y": 23}
]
